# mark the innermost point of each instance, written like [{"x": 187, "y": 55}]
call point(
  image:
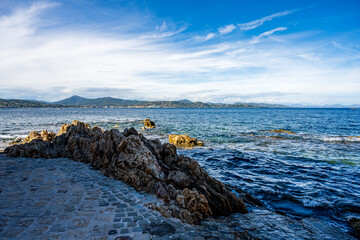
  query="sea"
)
[{"x": 312, "y": 172}]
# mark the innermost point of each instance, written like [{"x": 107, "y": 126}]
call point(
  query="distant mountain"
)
[
  {"x": 18, "y": 103},
  {"x": 324, "y": 106},
  {"x": 100, "y": 102},
  {"x": 185, "y": 101},
  {"x": 109, "y": 102}
]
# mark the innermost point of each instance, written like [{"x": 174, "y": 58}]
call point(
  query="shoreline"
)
[
  {"x": 62, "y": 198},
  {"x": 275, "y": 217}
]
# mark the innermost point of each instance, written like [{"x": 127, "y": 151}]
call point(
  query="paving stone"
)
[
  {"x": 143, "y": 236},
  {"x": 54, "y": 200},
  {"x": 136, "y": 229},
  {"x": 113, "y": 232},
  {"x": 137, "y": 218},
  {"x": 132, "y": 224},
  {"x": 131, "y": 214},
  {"x": 124, "y": 230},
  {"x": 119, "y": 215},
  {"x": 126, "y": 220},
  {"x": 118, "y": 225}
]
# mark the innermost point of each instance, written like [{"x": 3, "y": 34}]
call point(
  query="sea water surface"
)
[{"x": 314, "y": 172}]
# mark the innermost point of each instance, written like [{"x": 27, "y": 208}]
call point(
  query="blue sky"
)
[{"x": 220, "y": 51}]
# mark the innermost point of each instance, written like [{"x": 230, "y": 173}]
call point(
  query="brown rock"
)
[
  {"x": 184, "y": 140},
  {"x": 281, "y": 131},
  {"x": 179, "y": 179},
  {"x": 63, "y": 129},
  {"x": 32, "y": 136},
  {"x": 148, "y": 123},
  {"x": 47, "y": 136},
  {"x": 188, "y": 191},
  {"x": 16, "y": 141}
]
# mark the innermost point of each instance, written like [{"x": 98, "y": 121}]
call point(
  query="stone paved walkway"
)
[{"x": 63, "y": 199}]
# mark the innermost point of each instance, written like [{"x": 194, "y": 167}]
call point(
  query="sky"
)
[{"x": 286, "y": 52}]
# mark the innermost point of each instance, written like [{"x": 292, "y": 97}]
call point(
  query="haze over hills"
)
[
  {"x": 184, "y": 103},
  {"x": 77, "y": 101},
  {"x": 109, "y": 102},
  {"x": 104, "y": 101},
  {"x": 18, "y": 103}
]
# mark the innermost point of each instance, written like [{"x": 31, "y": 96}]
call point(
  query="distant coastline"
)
[{"x": 109, "y": 102}]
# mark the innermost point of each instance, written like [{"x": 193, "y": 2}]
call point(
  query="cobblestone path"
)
[{"x": 63, "y": 199}]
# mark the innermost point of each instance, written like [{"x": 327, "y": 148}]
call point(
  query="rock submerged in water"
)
[
  {"x": 188, "y": 192},
  {"x": 355, "y": 223},
  {"x": 148, "y": 123},
  {"x": 184, "y": 141},
  {"x": 281, "y": 131}
]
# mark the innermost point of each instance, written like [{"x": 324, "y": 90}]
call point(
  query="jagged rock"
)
[
  {"x": 16, "y": 141},
  {"x": 184, "y": 140},
  {"x": 188, "y": 192},
  {"x": 281, "y": 131},
  {"x": 148, "y": 123},
  {"x": 43, "y": 135}
]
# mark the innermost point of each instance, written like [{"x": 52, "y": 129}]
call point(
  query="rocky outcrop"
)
[
  {"x": 184, "y": 141},
  {"x": 148, "y": 123},
  {"x": 16, "y": 141},
  {"x": 281, "y": 131},
  {"x": 43, "y": 135},
  {"x": 187, "y": 190}
]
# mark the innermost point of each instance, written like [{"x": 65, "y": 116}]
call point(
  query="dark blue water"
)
[{"x": 313, "y": 172}]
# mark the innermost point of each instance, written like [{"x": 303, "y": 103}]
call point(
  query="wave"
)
[
  {"x": 316, "y": 203},
  {"x": 3, "y": 136},
  {"x": 354, "y": 139},
  {"x": 307, "y": 137}
]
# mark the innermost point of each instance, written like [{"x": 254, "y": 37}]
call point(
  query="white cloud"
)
[
  {"x": 309, "y": 56},
  {"x": 227, "y": 29},
  {"x": 261, "y": 21},
  {"x": 205, "y": 38},
  {"x": 268, "y": 33},
  {"x": 161, "y": 67}
]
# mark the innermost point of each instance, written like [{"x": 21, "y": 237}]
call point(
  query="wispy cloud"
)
[
  {"x": 258, "y": 38},
  {"x": 227, "y": 29},
  {"x": 205, "y": 38},
  {"x": 164, "y": 30},
  {"x": 268, "y": 33},
  {"x": 165, "y": 62},
  {"x": 23, "y": 21},
  {"x": 261, "y": 21}
]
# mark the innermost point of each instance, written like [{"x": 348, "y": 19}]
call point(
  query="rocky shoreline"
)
[
  {"x": 64, "y": 199},
  {"x": 187, "y": 190},
  {"x": 184, "y": 190}
]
